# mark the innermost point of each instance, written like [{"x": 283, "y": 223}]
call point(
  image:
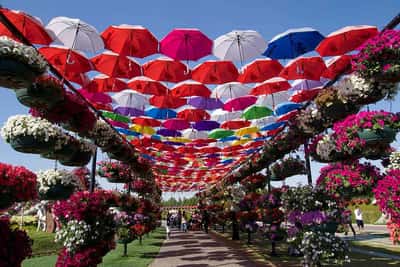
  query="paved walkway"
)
[{"x": 197, "y": 249}]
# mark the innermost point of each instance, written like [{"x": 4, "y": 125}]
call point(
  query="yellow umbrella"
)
[
  {"x": 241, "y": 141},
  {"x": 246, "y": 130},
  {"x": 143, "y": 129},
  {"x": 179, "y": 139}
]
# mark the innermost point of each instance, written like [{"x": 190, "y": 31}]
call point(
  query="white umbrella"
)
[
  {"x": 220, "y": 115},
  {"x": 273, "y": 99},
  {"x": 130, "y": 98},
  {"x": 194, "y": 134},
  {"x": 76, "y": 34},
  {"x": 263, "y": 121},
  {"x": 230, "y": 90},
  {"x": 239, "y": 45}
]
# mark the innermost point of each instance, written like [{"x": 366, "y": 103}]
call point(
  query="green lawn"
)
[
  {"x": 138, "y": 255},
  {"x": 371, "y": 213}
]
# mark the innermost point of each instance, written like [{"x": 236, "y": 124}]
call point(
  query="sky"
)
[{"x": 213, "y": 17}]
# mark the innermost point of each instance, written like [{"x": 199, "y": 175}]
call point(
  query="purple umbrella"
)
[
  {"x": 306, "y": 84},
  {"x": 167, "y": 132},
  {"x": 173, "y": 143},
  {"x": 206, "y": 125},
  {"x": 205, "y": 103},
  {"x": 239, "y": 103},
  {"x": 127, "y": 111}
]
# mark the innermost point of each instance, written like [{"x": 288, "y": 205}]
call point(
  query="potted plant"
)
[
  {"x": 114, "y": 171},
  {"x": 56, "y": 184},
  {"x": 81, "y": 155},
  {"x": 287, "y": 167}
]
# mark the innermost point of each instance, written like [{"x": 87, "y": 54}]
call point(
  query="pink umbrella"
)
[
  {"x": 240, "y": 103},
  {"x": 176, "y": 124},
  {"x": 96, "y": 97},
  {"x": 186, "y": 44}
]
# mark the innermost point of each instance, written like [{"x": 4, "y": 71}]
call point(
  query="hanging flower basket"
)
[
  {"x": 385, "y": 135},
  {"x": 56, "y": 184},
  {"x": 125, "y": 153},
  {"x": 58, "y": 192},
  {"x": 6, "y": 201},
  {"x": 79, "y": 158},
  {"x": 114, "y": 171},
  {"x": 46, "y": 92},
  {"x": 286, "y": 168},
  {"x": 66, "y": 151},
  {"x": 31, "y": 144}
]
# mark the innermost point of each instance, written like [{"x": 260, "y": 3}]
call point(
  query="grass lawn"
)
[
  {"x": 371, "y": 213},
  {"x": 43, "y": 243},
  {"x": 138, "y": 255}
]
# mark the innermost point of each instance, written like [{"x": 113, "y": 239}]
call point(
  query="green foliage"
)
[
  {"x": 371, "y": 213},
  {"x": 180, "y": 202}
]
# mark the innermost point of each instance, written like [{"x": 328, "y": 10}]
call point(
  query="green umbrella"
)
[
  {"x": 116, "y": 117},
  {"x": 256, "y": 112},
  {"x": 220, "y": 133}
]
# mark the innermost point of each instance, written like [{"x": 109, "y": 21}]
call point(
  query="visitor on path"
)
[
  {"x": 348, "y": 224},
  {"x": 205, "y": 221},
  {"x": 41, "y": 216},
  {"x": 184, "y": 224},
  {"x": 359, "y": 218},
  {"x": 168, "y": 231}
]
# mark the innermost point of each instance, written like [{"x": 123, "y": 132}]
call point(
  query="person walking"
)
[
  {"x": 184, "y": 224},
  {"x": 359, "y": 218}
]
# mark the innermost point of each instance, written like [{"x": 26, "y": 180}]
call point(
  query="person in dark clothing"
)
[{"x": 206, "y": 221}]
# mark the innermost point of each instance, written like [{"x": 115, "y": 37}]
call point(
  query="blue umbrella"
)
[
  {"x": 160, "y": 113},
  {"x": 156, "y": 137},
  {"x": 263, "y": 138},
  {"x": 287, "y": 107},
  {"x": 227, "y": 161},
  {"x": 147, "y": 157},
  {"x": 273, "y": 126},
  {"x": 127, "y": 131},
  {"x": 173, "y": 143},
  {"x": 293, "y": 43}
]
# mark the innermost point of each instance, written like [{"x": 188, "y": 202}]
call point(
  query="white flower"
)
[
  {"x": 394, "y": 161},
  {"x": 102, "y": 133}
]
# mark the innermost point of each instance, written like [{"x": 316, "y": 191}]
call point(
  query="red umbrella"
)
[
  {"x": 271, "y": 86},
  {"x": 116, "y": 66},
  {"x": 232, "y": 148},
  {"x": 128, "y": 40},
  {"x": 255, "y": 144},
  {"x": 187, "y": 150},
  {"x": 345, "y": 40},
  {"x": 304, "y": 95},
  {"x": 66, "y": 60},
  {"x": 235, "y": 124},
  {"x": 145, "y": 121},
  {"x": 79, "y": 78},
  {"x": 193, "y": 115},
  {"x": 148, "y": 86},
  {"x": 239, "y": 103},
  {"x": 260, "y": 70},
  {"x": 337, "y": 65},
  {"x": 176, "y": 124},
  {"x": 190, "y": 88},
  {"x": 164, "y": 147},
  {"x": 104, "y": 83},
  {"x": 210, "y": 149},
  {"x": 309, "y": 68},
  {"x": 96, "y": 97},
  {"x": 30, "y": 27},
  {"x": 167, "y": 101},
  {"x": 166, "y": 69},
  {"x": 287, "y": 116},
  {"x": 215, "y": 72}
]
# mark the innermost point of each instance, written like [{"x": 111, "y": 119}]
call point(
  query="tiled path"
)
[{"x": 197, "y": 249}]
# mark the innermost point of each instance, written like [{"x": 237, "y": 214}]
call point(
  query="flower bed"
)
[{"x": 56, "y": 184}]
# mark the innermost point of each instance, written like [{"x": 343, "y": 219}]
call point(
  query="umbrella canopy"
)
[
  {"x": 160, "y": 113},
  {"x": 300, "y": 96},
  {"x": 115, "y": 65},
  {"x": 284, "y": 108},
  {"x": 166, "y": 69},
  {"x": 30, "y": 27},
  {"x": 239, "y": 103},
  {"x": 256, "y": 112},
  {"x": 304, "y": 84},
  {"x": 223, "y": 115},
  {"x": 146, "y": 85},
  {"x": 310, "y": 68},
  {"x": 130, "y": 98},
  {"x": 104, "y": 83},
  {"x": 194, "y": 134},
  {"x": 167, "y": 101},
  {"x": 96, "y": 97},
  {"x": 270, "y": 86},
  {"x": 246, "y": 131},
  {"x": 186, "y": 44},
  {"x": 143, "y": 129},
  {"x": 190, "y": 88},
  {"x": 176, "y": 124},
  {"x": 260, "y": 70},
  {"x": 220, "y": 133},
  {"x": 129, "y": 40},
  {"x": 273, "y": 126},
  {"x": 115, "y": 117},
  {"x": 273, "y": 99},
  {"x": 193, "y": 115},
  {"x": 239, "y": 45},
  {"x": 145, "y": 121},
  {"x": 230, "y": 90},
  {"x": 168, "y": 132},
  {"x": 127, "y": 111},
  {"x": 80, "y": 78},
  {"x": 345, "y": 40},
  {"x": 235, "y": 124},
  {"x": 76, "y": 34},
  {"x": 337, "y": 65},
  {"x": 205, "y": 103},
  {"x": 263, "y": 121},
  {"x": 215, "y": 72},
  {"x": 205, "y": 125},
  {"x": 293, "y": 43}
]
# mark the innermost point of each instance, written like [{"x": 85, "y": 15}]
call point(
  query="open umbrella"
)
[
  {"x": 30, "y": 27},
  {"x": 168, "y": 132},
  {"x": 239, "y": 45},
  {"x": 299, "y": 96},
  {"x": 256, "y": 112},
  {"x": 220, "y": 133},
  {"x": 190, "y": 88},
  {"x": 176, "y": 124},
  {"x": 130, "y": 98},
  {"x": 271, "y": 100},
  {"x": 193, "y": 115},
  {"x": 160, "y": 113},
  {"x": 273, "y": 126},
  {"x": 205, "y": 103},
  {"x": 115, "y": 117},
  {"x": 186, "y": 44},
  {"x": 270, "y": 86},
  {"x": 167, "y": 101},
  {"x": 194, "y": 134},
  {"x": 95, "y": 97},
  {"x": 166, "y": 69},
  {"x": 230, "y": 90},
  {"x": 310, "y": 68},
  {"x": 130, "y": 40},
  {"x": 145, "y": 121},
  {"x": 337, "y": 65},
  {"x": 221, "y": 115},
  {"x": 80, "y": 78},
  {"x": 145, "y": 85},
  {"x": 284, "y": 108},
  {"x": 259, "y": 70},
  {"x": 76, "y": 34},
  {"x": 115, "y": 65},
  {"x": 215, "y": 72},
  {"x": 293, "y": 43},
  {"x": 246, "y": 131},
  {"x": 205, "y": 125},
  {"x": 143, "y": 129},
  {"x": 104, "y": 83},
  {"x": 304, "y": 84},
  {"x": 345, "y": 40},
  {"x": 235, "y": 124},
  {"x": 128, "y": 111},
  {"x": 239, "y": 103},
  {"x": 263, "y": 121}
]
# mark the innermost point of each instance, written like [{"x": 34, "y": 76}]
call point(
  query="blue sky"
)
[{"x": 214, "y": 18}]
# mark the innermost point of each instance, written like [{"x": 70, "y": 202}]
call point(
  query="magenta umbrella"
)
[
  {"x": 186, "y": 44},
  {"x": 205, "y": 103},
  {"x": 96, "y": 97},
  {"x": 239, "y": 103},
  {"x": 176, "y": 124}
]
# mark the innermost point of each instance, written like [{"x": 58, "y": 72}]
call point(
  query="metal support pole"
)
[
  {"x": 93, "y": 172},
  {"x": 308, "y": 163}
]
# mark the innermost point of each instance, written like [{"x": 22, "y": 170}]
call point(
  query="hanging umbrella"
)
[
  {"x": 168, "y": 132},
  {"x": 263, "y": 121},
  {"x": 293, "y": 43},
  {"x": 143, "y": 129},
  {"x": 116, "y": 66},
  {"x": 115, "y": 117},
  {"x": 337, "y": 65},
  {"x": 160, "y": 113},
  {"x": 167, "y": 101},
  {"x": 260, "y": 70},
  {"x": 205, "y": 103},
  {"x": 271, "y": 100},
  {"x": 146, "y": 85},
  {"x": 246, "y": 131},
  {"x": 256, "y": 112},
  {"x": 30, "y": 27},
  {"x": 205, "y": 125},
  {"x": 230, "y": 90},
  {"x": 215, "y": 72},
  {"x": 179, "y": 139},
  {"x": 284, "y": 108},
  {"x": 145, "y": 121},
  {"x": 187, "y": 150},
  {"x": 239, "y": 103},
  {"x": 273, "y": 126},
  {"x": 210, "y": 149},
  {"x": 186, "y": 44},
  {"x": 239, "y": 45},
  {"x": 300, "y": 96},
  {"x": 127, "y": 132},
  {"x": 345, "y": 40},
  {"x": 129, "y": 40},
  {"x": 220, "y": 133},
  {"x": 223, "y": 115},
  {"x": 95, "y": 97},
  {"x": 76, "y": 34},
  {"x": 235, "y": 124},
  {"x": 287, "y": 116},
  {"x": 176, "y": 124},
  {"x": 118, "y": 124},
  {"x": 194, "y": 134},
  {"x": 104, "y": 83},
  {"x": 310, "y": 68},
  {"x": 270, "y": 86},
  {"x": 229, "y": 138},
  {"x": 166, "y": 69},
  {"x": 130, "y": 98},
  {"x": 304, "y": 84},
  {"x": 127, "y": 111},
  {"x": 190, "y": 88},
  {"x": 80, "y": 78},
  {"x": 193, "y": 115}
]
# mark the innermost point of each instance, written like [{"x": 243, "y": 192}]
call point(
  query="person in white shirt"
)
[{"x": 359, "y": 218}]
